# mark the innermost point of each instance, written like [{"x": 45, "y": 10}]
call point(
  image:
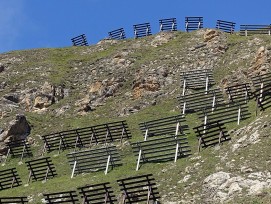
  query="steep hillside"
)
[{"x": 139, "y": 80}]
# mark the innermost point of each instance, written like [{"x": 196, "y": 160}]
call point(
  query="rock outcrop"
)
[
  {"x": 162, "y": 38},
  {"x": 48, "y": 95},
  {"x": 18, "y": 128},
  {"x": 2, "y": 68},
  {"x": 261, "y": 63},
  {"x": 97, "y": 94},
  {"x": 251, "y": 134},
  {"x": 223, "y": 186}
]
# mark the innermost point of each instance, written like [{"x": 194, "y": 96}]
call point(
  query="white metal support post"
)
[
  {"x": 122, "y": 133},
  {"x": 219, "y": 137},
  {"x": 47, "y": 172},
  {"x": 107, "y": 133},
  {"x": 214, "y": 102},
  {"x": 135, "y": 33},
  {"x": 186, "y": 26},
  {"x": 146, "y": 134},
  {"x": 177, "y": 128},
  {"x": 261, "y": 92},
  {"x": 246, "y": 96},
  {"x": 184, "y": 85},
  {"x": 91, "y": 138},
  {"x": 7, "y": 155},
  {"x": 107, "y": 164},
  {"x": 239, "y": 115},
  {"x": 138, "y": 159},
  {"x": 106, "y": 197},
  {"x": 43, "y": 149},
  {"x": 207, "y": 83},
  {"x": 205, "y": 122},
  {"x": 22, "y": 156},
  {"x": 184, "y": 106},
  {"x": 76, "y": 142},
  {"x": 29, "y": 176},
  {"x": 147, "y": 31},
  {"x": 149, "y": 194},
  {"x": 200, "y": 141},
  {"x": 73, "y": 169},
  {"x": 176, "y": 152},
  {"x": 12, "y": 183}
]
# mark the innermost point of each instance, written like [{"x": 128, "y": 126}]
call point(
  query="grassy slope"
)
[{"x": 166, "y": 174}]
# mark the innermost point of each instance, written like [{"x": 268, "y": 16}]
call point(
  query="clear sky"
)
[{"x": 27, "y": 24}]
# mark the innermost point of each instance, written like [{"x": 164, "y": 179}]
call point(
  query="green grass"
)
[
  {"x": 171, "y": 170},
  {"x": 60, "y": 63}
]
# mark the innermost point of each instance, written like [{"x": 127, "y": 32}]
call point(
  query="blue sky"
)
[{"x": 27, "y": 24}]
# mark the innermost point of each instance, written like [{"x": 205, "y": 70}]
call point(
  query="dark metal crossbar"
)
[
  {"x": 97, "y": 193},
  {"x": 262, "y": 91},
  {"x": 238, "y": 93},
  {"x": 201, "y": 99},
  {"x": 211, "y": 133},
  {"x": 197, "y": 79},
  {"x": 139, "y": 188},
  {"x": 13, "y": 200},
  {"x": 169, "y": 24},
  {"x": 226, "y": 113},
  {"x": 161, "y": 149},
  {"x": 142, "y": 30},
  {"x": 225, "y": 26},
  {"x": 18, "y": 148},
  {"x": 41, "y": 169},
  {"x": 263, "y": 98},
  {"x": 61, "y": 197},
  {"x": 261, "y": 80},
  {"x": 117, "y": 34},
  {"x": 247, "y": 30},
  {"x": 9, "y": 178},
  {"x": 85, "y": 137},
  {"x": 93, "y": 160},
  {"x": 80, "y": 40},
  {"x": 193, "y": 23},
  {"x": 172, "y": 125}
]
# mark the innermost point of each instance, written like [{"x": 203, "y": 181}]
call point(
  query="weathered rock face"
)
[
  {"x": 97, "y": 94},
  {"x": 216, "y": 41},
  {"x": 147, "y": 84},
  {"x": 236, "y": 77},
  {"x": 162, "y": 38},
  {"x": 13, "y": 97},
  {"x": 251, "y": 134},
  {"x": 48, "y": 95},
  {"x": 18, "y": 129},
  {"x": 2, "y": 68},
  {"x": 95, "y": 87},
  {"x": 41, "y": 99},
  {"x": 3, "y": 84},
  {"x": 209, "y": 35},
  {"x": 261, "y": 62},
  {"x": 83, "y": 105},
  {"x": 223, "y": 186}
]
